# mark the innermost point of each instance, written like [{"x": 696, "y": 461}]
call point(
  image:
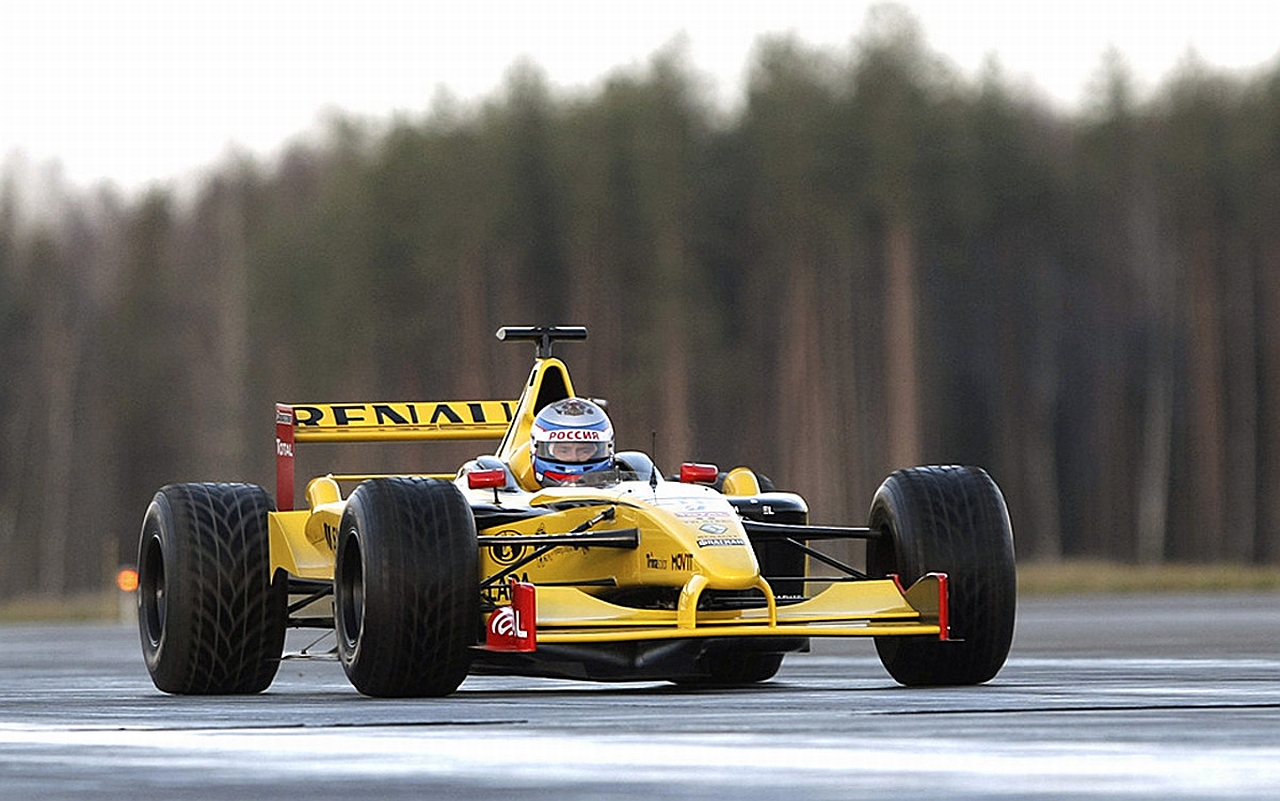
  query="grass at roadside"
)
[
  {"x": 1034, "y": 579},
  {"x": 80, "y": 608}
]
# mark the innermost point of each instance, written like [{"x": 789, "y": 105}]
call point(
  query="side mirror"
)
[{"x": 694, "y": 473}]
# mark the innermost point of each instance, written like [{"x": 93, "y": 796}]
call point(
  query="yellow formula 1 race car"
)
[{"x": 621, "y": 574}]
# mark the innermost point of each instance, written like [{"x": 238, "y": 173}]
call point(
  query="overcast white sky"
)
[{"x": 136, "y": 90}]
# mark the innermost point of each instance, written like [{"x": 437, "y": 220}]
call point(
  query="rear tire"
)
[
  {"x": 406, "y": 587},
  {"x": 211, "y": 618},
  {"x": 951, "y": 520}
]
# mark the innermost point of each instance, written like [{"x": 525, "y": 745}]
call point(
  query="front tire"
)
[
  {"x": 406, "y": 587},
  {"x": 951, "y": 520},
  {"x": 211, "y": 618}
]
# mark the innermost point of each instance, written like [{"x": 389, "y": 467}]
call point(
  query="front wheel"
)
[
  {"x": 949, "y": 520},
  {"x": 406, "y": 587}
]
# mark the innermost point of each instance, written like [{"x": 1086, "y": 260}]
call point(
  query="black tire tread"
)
[
  {"x": 417, "y": 540},
  {"x": 225, "y": 625},
  {"x": 952, "y": 520}
]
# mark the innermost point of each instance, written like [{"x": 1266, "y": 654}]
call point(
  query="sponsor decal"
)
[
  {"x": 574, "y": 435},
  {"x": 331, "y": 536},
  {"x": 506, "y": 622},
  {"x": 507, "y": 554},
  {"x": 514, "y": 627},
  {"x": 501, "y": 593},
  {"x": 354, "y": 415},
  {"x": 685, "y": 507},
  {"x": 677, "y": 561},
  {"x": 713, "y": 528},
  {"x": 720, "y": 542},
  {"x": 705, "y": 518}
]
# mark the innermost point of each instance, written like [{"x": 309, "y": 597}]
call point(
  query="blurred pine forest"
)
[{"x": 871, "y": 263}]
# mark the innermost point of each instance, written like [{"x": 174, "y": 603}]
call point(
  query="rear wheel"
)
[
  {"x": 406, "y": 587},
  {"x": 951, "y": 520},
  {"x": 211, "y": 618}
]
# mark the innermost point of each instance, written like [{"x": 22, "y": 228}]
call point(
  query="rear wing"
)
[
  {"x": 508, "y": 421},
  {"x": 381, "y": 422}
]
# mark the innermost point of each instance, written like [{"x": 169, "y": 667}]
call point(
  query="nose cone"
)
[
  {"x": 705, "y": 525},
  {"x": 726, "y": 558}
]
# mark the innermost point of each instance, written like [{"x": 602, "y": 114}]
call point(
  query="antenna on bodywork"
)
[
  {"x": 541, "y": 335},
  {"x": 653, "y": 455}
]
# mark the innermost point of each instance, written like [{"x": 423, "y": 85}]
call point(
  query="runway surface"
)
[{"x": 1117, "y": 697}]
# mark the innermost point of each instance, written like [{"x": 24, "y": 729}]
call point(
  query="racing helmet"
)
[{"x": 571, "y": 437}]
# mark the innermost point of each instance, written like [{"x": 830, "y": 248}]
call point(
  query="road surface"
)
[{"x": 1106, "y": 697}]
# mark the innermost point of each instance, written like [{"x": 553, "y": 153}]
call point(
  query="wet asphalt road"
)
[{"x": 1117, "y": 697}]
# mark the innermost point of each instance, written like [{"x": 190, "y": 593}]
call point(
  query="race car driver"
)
[{"x": 572, "y": 442}]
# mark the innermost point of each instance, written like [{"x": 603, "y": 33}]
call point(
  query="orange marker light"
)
[{"x": 127, "y": 579}]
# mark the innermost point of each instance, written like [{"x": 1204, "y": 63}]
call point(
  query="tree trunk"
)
[
  {"x": 901, "y": 372},
  {"x": 1152, "y": 262},
  {"x": 1267, "y": 321},
  {"x": 1240, "y": 387},
  {"x": 231, "y": 385},
  {"x": 1206, "y": 405},
  {"x": 60, "y": 362},
  {"x": 673, "y": 371}
]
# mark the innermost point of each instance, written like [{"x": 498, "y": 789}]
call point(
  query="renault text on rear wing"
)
[{"x": 381, "y": 422}]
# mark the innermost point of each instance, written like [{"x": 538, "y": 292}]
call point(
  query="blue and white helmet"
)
[{"x": 571, "y": 437}]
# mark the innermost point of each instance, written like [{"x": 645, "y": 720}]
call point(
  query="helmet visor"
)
[{"x": 573, "y": 451}]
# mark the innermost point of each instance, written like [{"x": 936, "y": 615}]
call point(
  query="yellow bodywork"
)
[{"x": 690, "y": 538}]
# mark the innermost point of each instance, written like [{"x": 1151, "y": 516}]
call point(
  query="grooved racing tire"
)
[
  {"x": 951, "y": 520},
  {"x": 211, "y": 618},
  {"x": 406, "y": 587}
]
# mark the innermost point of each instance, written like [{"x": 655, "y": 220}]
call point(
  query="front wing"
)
[{"x": 871, "y": 608}]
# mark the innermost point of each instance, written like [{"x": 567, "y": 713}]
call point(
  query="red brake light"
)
[
  {"x": 487, "y": 479},
  {"x": 694, "y": 473}
]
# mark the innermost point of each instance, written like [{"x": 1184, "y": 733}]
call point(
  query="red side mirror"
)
[
  {"x": 487, "y": 479},
  {"x": 694, "y": 473}
]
